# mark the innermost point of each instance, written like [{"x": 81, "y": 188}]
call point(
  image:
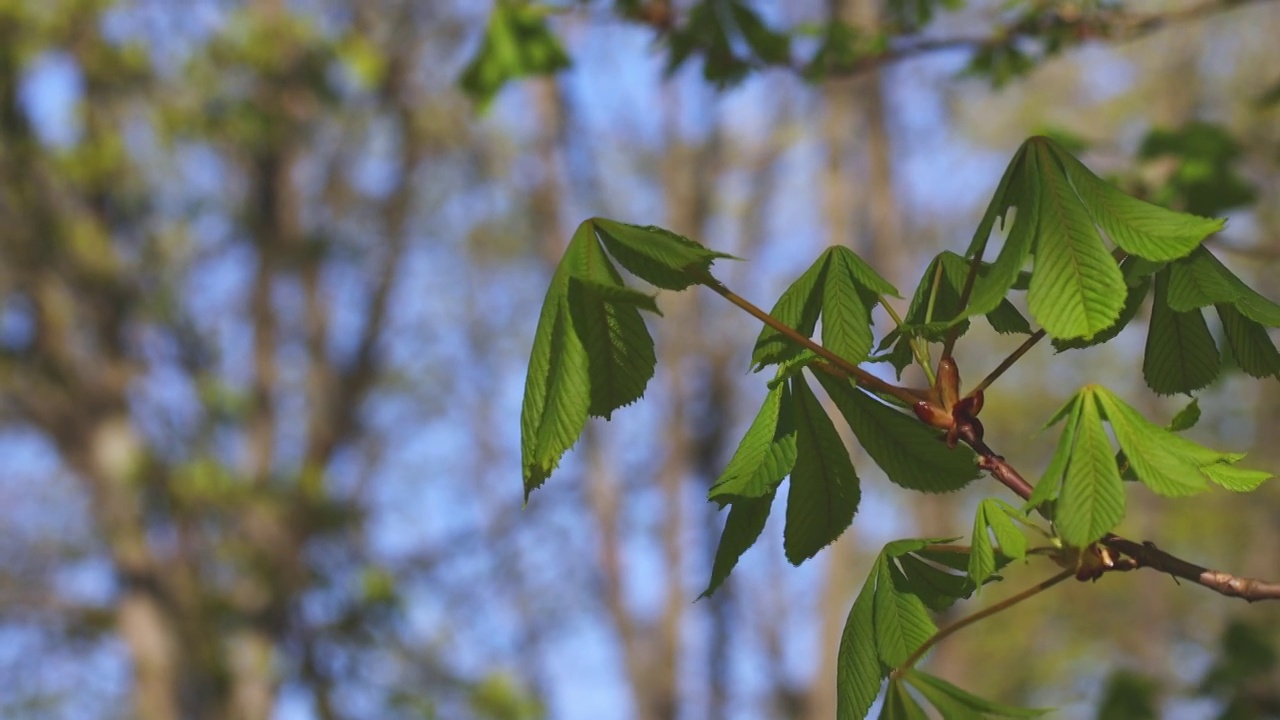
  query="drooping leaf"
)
[
  {"x": 1092, "y": 499},
  {"x": 1077, "y": 289},
  {"x": 1166, "y": 463},
  {"x": 1250, "y": 346},
  {"x": 1200, "y": 279},
  {"x": 766, "y": 453},
  {"x": 657, "y": 256},
  {"x": 1050, "y": 484},
  {"x": 798, "y": 308},
  {"x": 1133, "y": 300},
  {"x": 1235, "y": 479},
  {"x": 557, "y": 387},
  {"x": 620, "y": 354},
  {"x": 953, "y": 702},
  {"x": 902, "y": 623},
  {"x": 1138, "y": 227},
  {"x": 936, "y": 588},
  {"x": 1180, "y": 354},
  {"x": 1019, "y": 187},
  {"x": 858, "y": 668},
  {"x": 747, "y": 517},
  {"x": 824, "y": 491},
  {"x": 517, "y": 43},
  {"x": 907, "y": 450}
]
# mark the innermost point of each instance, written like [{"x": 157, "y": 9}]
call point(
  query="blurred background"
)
[{"x": 269, "y": 276}]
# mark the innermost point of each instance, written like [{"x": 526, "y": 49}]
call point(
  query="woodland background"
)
[{"x": 268, "y": 281}]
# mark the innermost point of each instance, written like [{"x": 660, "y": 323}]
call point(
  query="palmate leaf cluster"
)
[{"x": 1085, "y": 257}]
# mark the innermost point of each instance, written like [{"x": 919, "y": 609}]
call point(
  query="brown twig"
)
[
  {"x": 1144, "y": 554},
  {"x": 909, "y": 396}
]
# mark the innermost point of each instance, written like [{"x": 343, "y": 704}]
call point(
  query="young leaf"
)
[
  {"x": 517, "y": 43},
  {"x": 657, "y": 256},
  {"x": 1252, "y": 348},
  {"x": 766, "y": 453},
  {"x": 846, "y": 319},
  {"x": 1138, "y": 227},
  {"x": 557, "y": 387},
  {"x": 1235, "y": 479},
  {"x": 901, "y": 622},
  {"x": 1133, "y": 300},
  {"x": 1050, "y": 484},
  {"x": 620, "y": 355},
  {"x": 907, "y": 450},
  {"x": 824, "y": 491},
  {"x": 1092, "y": 497},
  {"x": 1186, "y": 418},
  {"x": 935, "y": 587},
  {"x": 858, "y": 669},
  {"x": 1200, "y": 279},
  {"x": 1022, "y": 190},
  {"x": 953, "y": 702},
  {"x": 747, "y": 517},
  {"x": 1077, "y": 289},
  {"x": 798, "y": 308},
  {"x": 1164, "y": 462},
  {"x": 1180, "y": 354},
  {"x": 995, "y": 515}
]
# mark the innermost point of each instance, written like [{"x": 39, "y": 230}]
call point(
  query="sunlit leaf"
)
[
  {"x": 858, "y": 668},
  {"x": 1092, "y": 499},
  {"x": 902, "y": 623},
  {"x": 1077, "y": 289},
  {"x": 1138, "y": 227}
]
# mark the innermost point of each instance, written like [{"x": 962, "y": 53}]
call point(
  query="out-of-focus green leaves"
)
[
  {"x": 499, "y": 697},
  {"x": 1129, "y": 696},
  {"x": 1243, "y": 679},
  {"x": 1204, "y": 180},
  {"x": 732, "y": 39},
  {"x": 517, "y": 43}
]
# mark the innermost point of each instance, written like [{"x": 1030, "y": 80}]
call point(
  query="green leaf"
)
[
  {"x": 824, "y": 491},
  {"x": 846, "y": 262},
  {"x": 657, "y": 256},
  {"x": 936, "y": 588},
  {"x": 1250, "y": 346},
  {"x": 982, "y": 557},
  {"x": 747, "y": 517},
  {"x": 517, "y": 43},
  {"x": 620, "y": 355},
  {"x": 906, "y": 449},
  {"x": 766, "y": 453},
  {"x": 902, "y": 624},
  {"x": 846, "y": 319},
  {"x": 557, "y": 387},
  {"x": 771, "y": 47},
  {"x": 858, "y": 669},
  {"x": 1138, "y": 227},
  {"x": 1077, "y": 289},
  {"x": 1180, "y": 354},
  {"x": 899, "y": 705},
  {"x": 1186, "y": 418},
  {"x": 1092, "y": 498},
  {"x": 1129, "y": 696},
  {"x": 1050, "y": 484},
  {"x": 1235, "y": 479},
  {"x": 1200, "y": 279},
  {"x": 935, "y": 689},
  {"x": 1019, "y": 187},
  {"x": 1133, "y": 300},
  {"x": 798, "y": 308},
  {"x": 1164, "y": 462}
]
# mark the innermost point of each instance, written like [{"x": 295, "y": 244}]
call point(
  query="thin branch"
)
[
  {"x": 1136, "y": 555},
  {"x": 983, "y": 614},
  {"x": 1008, "y": 362},
  {"x": 909, "y": 396}
]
